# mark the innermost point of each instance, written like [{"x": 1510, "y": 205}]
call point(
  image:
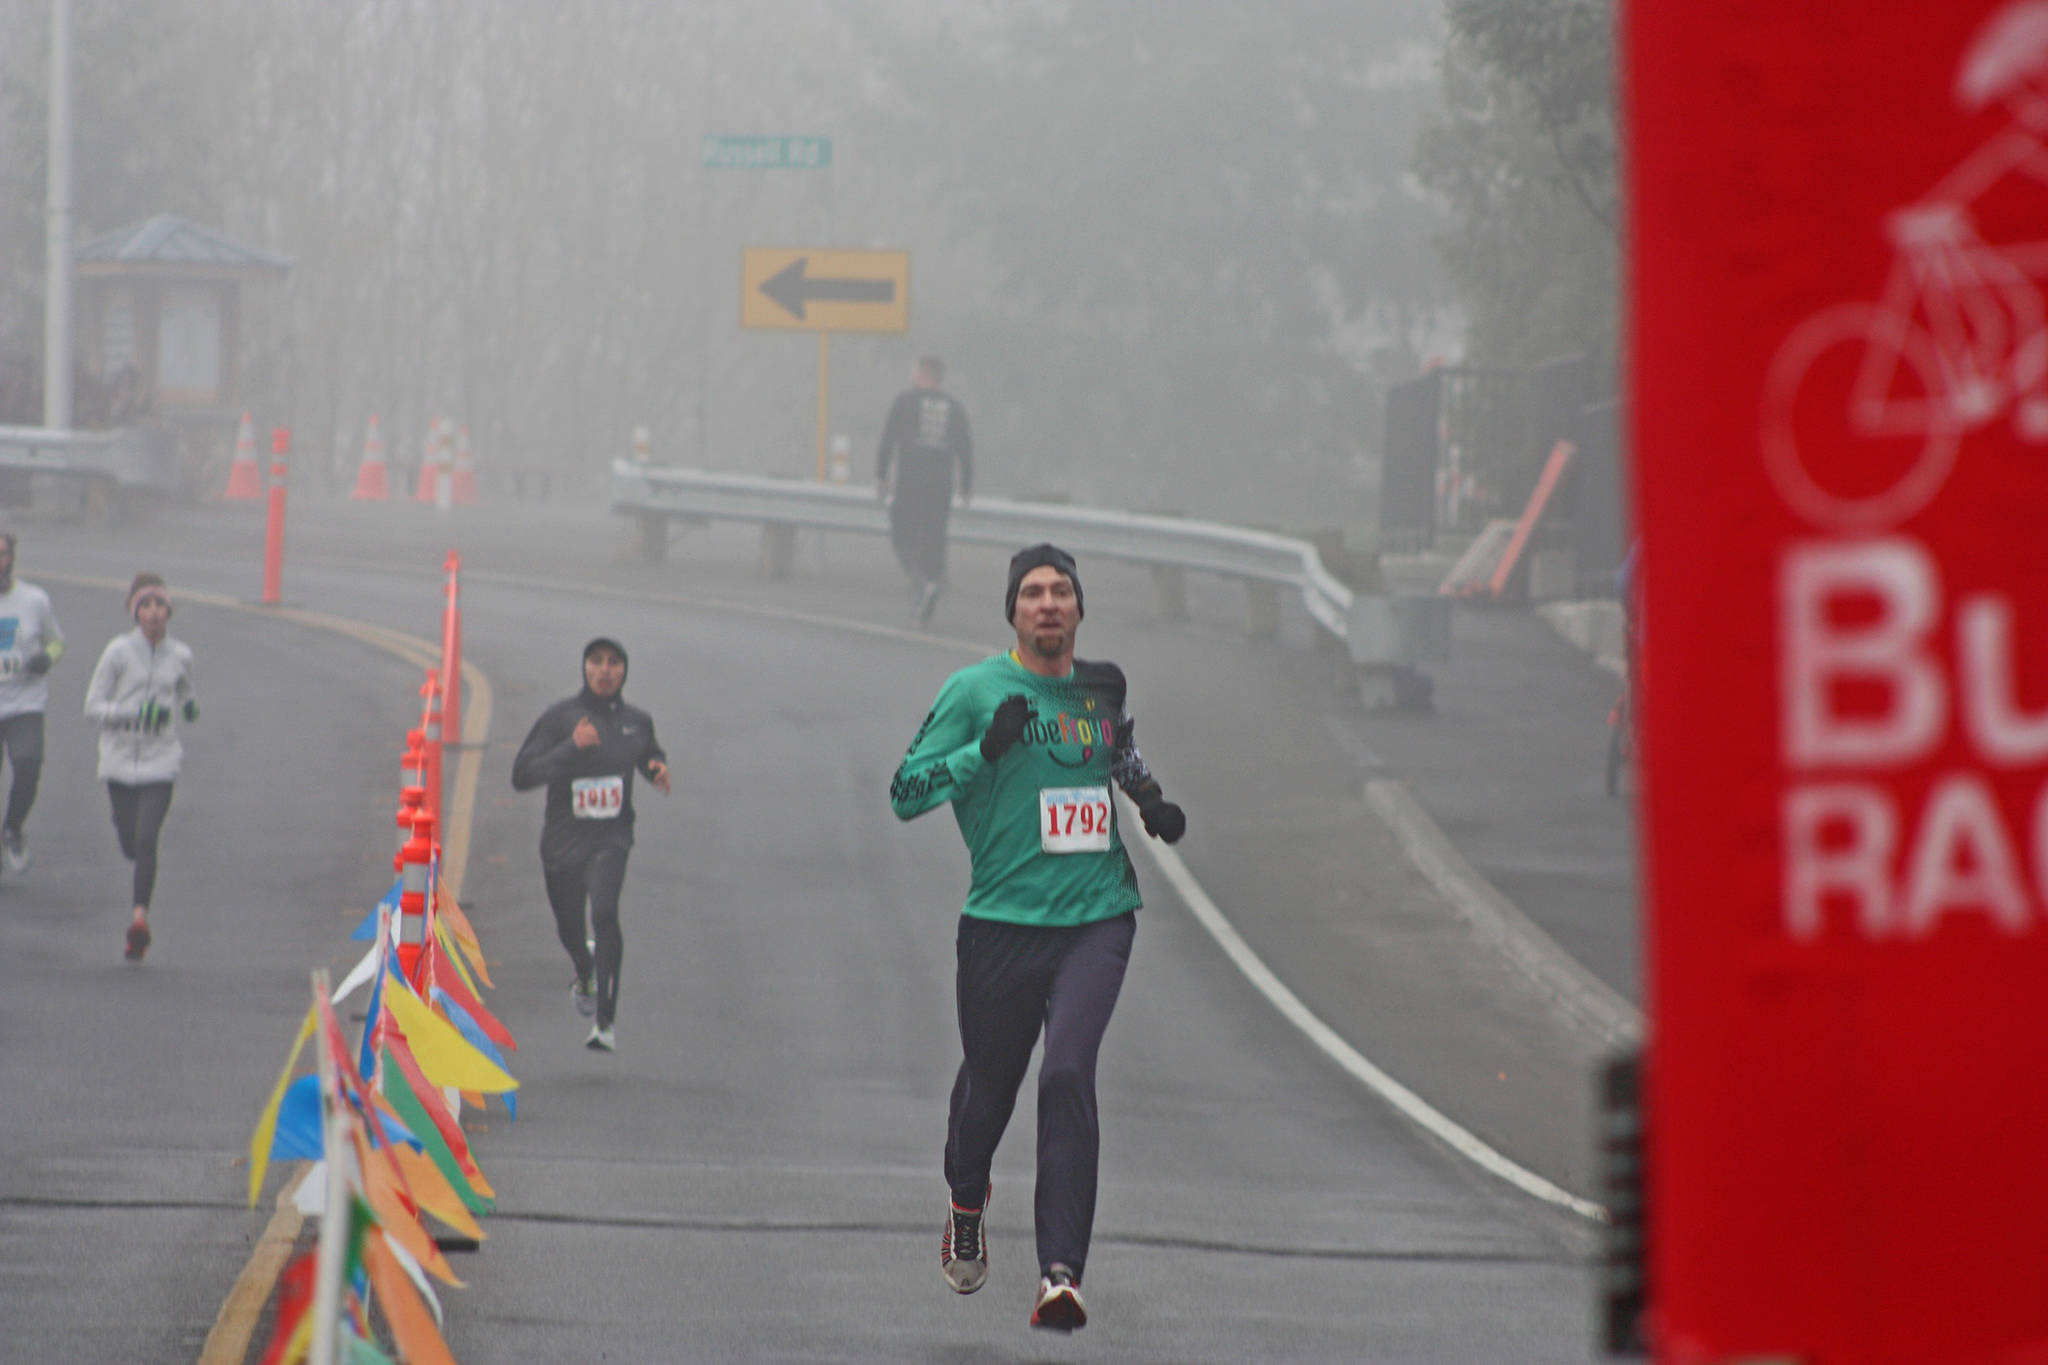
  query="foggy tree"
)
[
  {"x": 1159, "y": 241},
  {"x": 1523, "y": 155},
  {"x": 1190, "y": 212}
]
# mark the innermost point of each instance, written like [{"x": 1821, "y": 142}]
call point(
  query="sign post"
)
[
  {"x": 1839, "y": 413},
  {"x": 824, "y": 290}
]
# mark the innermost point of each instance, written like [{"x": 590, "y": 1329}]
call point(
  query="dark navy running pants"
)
[
  {"x": 139, "y": 813},
  {"x": 1012, "y": 980},
  {"x": 595, "y": 881},
  {"x": 22, "y": 738}
]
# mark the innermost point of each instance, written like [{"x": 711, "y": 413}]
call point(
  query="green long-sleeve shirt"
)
[{"x": 1046, "y": 779}]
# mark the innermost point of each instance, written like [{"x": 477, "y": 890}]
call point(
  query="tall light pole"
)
[{"x": 57, "y": 211}]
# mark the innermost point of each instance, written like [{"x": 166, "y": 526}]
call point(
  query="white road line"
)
[{"x": 1404, "y": 1101}]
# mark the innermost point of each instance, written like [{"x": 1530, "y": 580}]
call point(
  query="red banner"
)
[{"x": 1839, "y": 412}]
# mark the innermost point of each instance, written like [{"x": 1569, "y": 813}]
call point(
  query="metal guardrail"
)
[
  {"x": 105, "y": 471},
  {"x": 1379, "y": 631}
]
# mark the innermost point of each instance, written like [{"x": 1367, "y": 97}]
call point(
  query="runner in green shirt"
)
[{"x": 1025, "y": 745}]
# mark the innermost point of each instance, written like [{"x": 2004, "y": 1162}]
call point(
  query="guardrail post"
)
[
  {"x": 778, "y": 546},
  {"x": 1262, "y": 609},
  {"x": 1170, "y": 592}
]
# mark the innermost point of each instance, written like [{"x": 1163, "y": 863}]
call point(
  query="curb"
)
[{"x": 1586, "y": 1001}]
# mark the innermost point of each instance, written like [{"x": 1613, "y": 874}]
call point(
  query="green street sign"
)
[{"x": 742, "y": 152}]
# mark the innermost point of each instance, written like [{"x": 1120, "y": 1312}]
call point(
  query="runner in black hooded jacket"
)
[{"x": 586, "y": 750}]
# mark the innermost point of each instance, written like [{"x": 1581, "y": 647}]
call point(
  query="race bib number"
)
[
  {"x": 597, "y": 798},
  {"x": 10, "y": 664},
  {"x": 1073, "y": 819}
]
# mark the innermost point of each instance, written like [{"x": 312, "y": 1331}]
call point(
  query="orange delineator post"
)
[
  {"x": 451, "y": 655},
  {"x": 412, "y": 895},
  {"x": 1532, "y": 514},
  {"x": 430, "y": 736},
  {"x": 245, "y": 479},
  {"x": 412, "y": 801},
  {"x": 273, "y": 534}
]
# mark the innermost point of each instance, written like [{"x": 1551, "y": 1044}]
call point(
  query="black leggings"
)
[
  {"x": 1013, "y": 978},
  {"x": 597, "y": 880},
  {"x": 138, "y": 818},
  {"x": 22, "y": 736}
]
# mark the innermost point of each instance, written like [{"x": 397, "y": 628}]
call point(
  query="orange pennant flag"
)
[
  {"x": 412, "y": 1326},
  {"x": 432, "y": 1192},
  {"x": 400, "y": 1223}
]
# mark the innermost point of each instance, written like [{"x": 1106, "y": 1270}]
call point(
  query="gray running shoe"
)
[
  {"x": 601, "y": 1039},
  {"x": 13, "y": 852},
  {"x": 584, "y": 992},
  {"x": 963, "y": 1248},
  {"x": 1059, "y": 1307}
]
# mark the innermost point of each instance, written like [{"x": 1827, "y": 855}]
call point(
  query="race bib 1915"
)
[{"x": 597, "y": 798}]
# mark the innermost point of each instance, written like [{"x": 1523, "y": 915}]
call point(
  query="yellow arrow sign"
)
[{"x": 801, "y": 289}]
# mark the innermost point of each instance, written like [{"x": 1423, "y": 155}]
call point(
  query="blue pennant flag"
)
[
  {"x": 366, "y": 932},
  {"x": 298, "y": 1125}
]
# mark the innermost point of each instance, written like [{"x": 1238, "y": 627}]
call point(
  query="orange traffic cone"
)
[
  {"x": 373, "y": 478},
  {"x": 464, "y": 489},
  {"x": 434, "y": 460},
  {"x": 245, "y": 479}
]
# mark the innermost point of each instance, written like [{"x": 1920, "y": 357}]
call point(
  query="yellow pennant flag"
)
[
  {"x": 458, "y": 923},
  {"x": 266, "y": 1122},
  {"x": 452, "y": 954},
  {"x": 445, "y": 1057}
]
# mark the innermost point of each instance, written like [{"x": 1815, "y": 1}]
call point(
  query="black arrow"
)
[{"x": 792, "y": 289}]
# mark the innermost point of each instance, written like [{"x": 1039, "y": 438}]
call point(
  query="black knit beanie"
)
[
  {"x": 607, "y": 642},
  {"x": 1036, "y": 556}
]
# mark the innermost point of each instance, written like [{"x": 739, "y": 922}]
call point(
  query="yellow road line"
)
[
  {"x": 233, "y": 1327},
  {"x": 228, "y": 1342}
]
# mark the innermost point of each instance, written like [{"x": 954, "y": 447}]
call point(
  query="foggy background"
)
[{"x": 1172, "y": 252}]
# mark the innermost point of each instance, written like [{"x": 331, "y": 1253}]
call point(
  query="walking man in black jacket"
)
[
  {"x": 927, "y": 440},
  {"x": 585, "y": 750}
]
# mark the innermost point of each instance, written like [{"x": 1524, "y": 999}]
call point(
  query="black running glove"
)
[
  {"x": 38, "y": 663},
  {"x": 1013, "y": 713},
  {"x": 154, "y": 715},
  {"x": 1163, "y": 819},
  {"x": 191, "y": 710}
]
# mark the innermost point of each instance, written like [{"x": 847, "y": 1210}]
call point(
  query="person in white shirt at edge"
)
[
  {"x": 30, "y": 641},
  {"x": 140, "y": 687}
]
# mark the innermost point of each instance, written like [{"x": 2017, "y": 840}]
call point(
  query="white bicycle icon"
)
[
  {"x": 1955, "y": 340},
  {"x": 1866, "y": 404}
]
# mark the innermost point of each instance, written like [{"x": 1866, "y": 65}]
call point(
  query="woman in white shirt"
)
[{"x": 142, "y": 684}]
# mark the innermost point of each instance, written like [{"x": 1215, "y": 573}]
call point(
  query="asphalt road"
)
[{"x": 754, "y": 1175}]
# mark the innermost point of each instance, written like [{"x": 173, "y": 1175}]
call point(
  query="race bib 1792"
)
[{"x": 1074, "y": 819}]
